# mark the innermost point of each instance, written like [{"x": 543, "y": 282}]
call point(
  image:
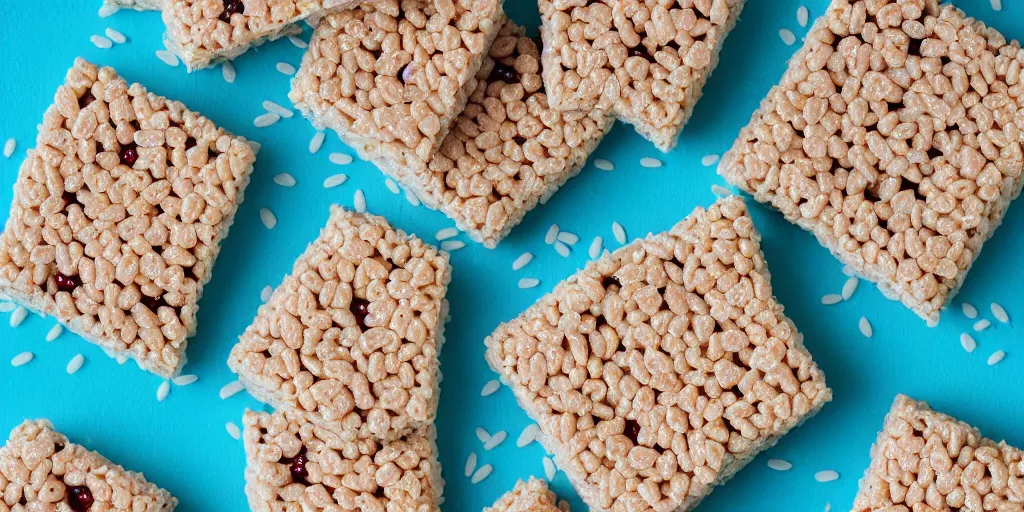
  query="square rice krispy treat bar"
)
[
  {"x": 294, "y": 465},
  {"x": 928, "y": 461},
  {"x": 647, "y": 60},
  {"x": 350, "y": 339},
  {"x": 507, "y": 151},
  {"x": 41, "y": 470},
  {"x": 391, "y": 79},
  {"x": 659, "y": 370},
  {"x": 205, "y": 32},
  {"x": 118, "y": 215},
  {"x": 895, "y": 137},
  {"x": 530, "y": 496}
]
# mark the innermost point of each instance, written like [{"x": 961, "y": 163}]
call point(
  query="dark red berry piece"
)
[
  {"x": 504, "y": 73},
  {"x": 67, "y": 283},
  {"x": 360, "y": 308},
  {"x": 80, "y": 498},
  {"x": 232, "y": 7},
  {"x": 129, "y": 154},
  {"x": 639, "y": 51},
  {"x": 297, "y": 467}
]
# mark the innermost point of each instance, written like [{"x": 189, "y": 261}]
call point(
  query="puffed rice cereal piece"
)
[
  {"x": 294, "y": 465},
  {"x": 896, "y": 138},
  {"x": 659, "y": 370},
  {"x": 530, "y": 496},
  {"x": 350, "y": 339},
  {"x": 41, "y": 470},
  {"x": 118, "y": 216},
  {"x": 925, "y": 460},
  {"x": 646, "y": 60}
]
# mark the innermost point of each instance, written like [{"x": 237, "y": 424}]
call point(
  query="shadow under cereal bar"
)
[
  {"x": 925, "y": 460},
  {"x": 507, "y": 151},
  {"x": 292, "y": 464},
  {"x": 118, "y": 216},
  {"x": 643, "y": 61},
  {"x": 659, "y": 370},
  {"x": 350, "y": 339},
  {"x": 42, "y": 470},
  {"x": 895, "y": 137},
  {"x": 390, "y": 81}
]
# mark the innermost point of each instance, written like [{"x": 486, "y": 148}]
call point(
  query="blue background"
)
[{"x": 181, "y": 443}]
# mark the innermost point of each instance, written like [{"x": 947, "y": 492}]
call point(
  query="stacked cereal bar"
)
[
  {"x": 507, "y": 151},
  {"x": 40, "y": 470},
  {"x": 927, "y": 461},
  {"x": 204, "y": 32},
  {"x": 118, "y": 216},
  {"x": 294, "y": 465},
  {"x": 349, "y": 341},
  {"x": 660, "y": 370},
  {"x": 647, "y": 60},
  {"x": 895, "y": 137},
  {"x": 531, "y": 496},
  {"x": 391, "y": 80}
]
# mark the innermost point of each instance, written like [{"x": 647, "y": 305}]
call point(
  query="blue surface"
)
[{"x": 181, "y": 443}]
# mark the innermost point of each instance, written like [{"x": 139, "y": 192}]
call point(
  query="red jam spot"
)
[
  {"x": 297, "y": 467},
  {"x": 504, "y": 73},
  {"x": 232, "y": 7},
  {"x": 80, "y": 498},
  {"x": 67, "y": 283},
  {"x": 129, "y": 154},
  {"x": 361, "y": 309}
]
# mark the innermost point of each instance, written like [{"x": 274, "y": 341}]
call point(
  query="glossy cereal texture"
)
[
  {"x": 925, "y": 460},
  {"x": 646, "y": 60},
  {"x": 350, "y": 339},
  {"x": 390, "y": 78},
  {"x": 530, "y": 496},
  {"x": 295, "y": 466},
  {"x": 118, "y": 215},
  {"x": 40, "y": 470},
  {"x": 660, "y": 370},
  {"x": 507, "y": 151},
  {"x": 895, "y": 137},
  {"x": 205, "y": 32}
]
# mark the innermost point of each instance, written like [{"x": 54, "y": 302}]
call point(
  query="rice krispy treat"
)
[
  {"x": 659, "y": 370},
  {"x": 118, "y": 216},
  {"x": 294, "y": 465},
  {"x": 390, "y": 79},
  {"x": 205, "y": 32},
  {"x": 40, "y": 470},
  {"x": 138, "y": 5},
  {"x": 350, "y": 339},
  {"x": 508, "y": 150},
  {"x": 530, "y": 496},
  {"x": 895, "y": 137},
  {"x": 928, "y": 461},
  {"x": 647, "y": 60}
]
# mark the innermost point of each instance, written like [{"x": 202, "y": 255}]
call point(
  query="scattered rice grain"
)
[
  {"x": 266, "y": 120},
  {"x": 495, "y": 440},
  {"x": 22, "y": 359},
  {"x": 299, "y": 43},
  {"x": 832, "y": 298},
  {"x": 650, "y": 163},
  {"x": 452, "y": 245},
  {"x": 969, "y": 310},
  {"x": 482, "y": 473},
  {"x": 850, "y": 287},
  {"x": 268, "y": 218},
  {"x": 163, "y": 391},
  {"x": 523, "y": 260},
  {"x": 107, "y": 10},
  {"x": 595, "y": 247},
  {"x": 981, "y": 325},
  {"x": 967, "y": 342},
  {"x": 392, "y": 186},
  {"x": 7, "y": 307},
  {"x": 101, "y": 42},
  {"x": 185, "y": 380},
  {"x": 528, "y": 282},
  {"x": 446, "y": 233},
  {"x": 551, "y": 235},
  {"x": 233, "y": 431},
  {"x": 802, "y": 16},
  {"x": 528, "y": 436},
  {"x": 285, "y": 180},
  {"x": 359, "y": 201},
  {"x": 340, "y": 158},
  {"x": 470, "y": 465},
  {"x": 227, "y": 70},
  {"x": 561, "y": 249},
  {"x": 996, "y": 357},
  {"x": 285, "y": 68},
  {"x": 865, "y": 327},
  {"x": 231, "y": 389},
  {"x": 709, "y": 160},
  {"x": 999, "y": 313},
  {"x": 848, "y": 271},
  {"x": 271, "y": 106},
  {"x": 482, "y": 435},
  {"x": 335, "y": 180},
  {"x": 721, "y": 191},
  {"x": 780, "y": 465},
  {"x": 411, "y": 197},
  {"x": 9, "y": 147},
  {"x": 266, "y": 292},
  {"x": 619, "y": 232},
  {"x": 167, "y": 57},
  {"x": 316, "y": 142},
  {"x": 569, "y": 238},
  {"x": 997, "y": 5},
  {"x": 549, "y": 468},
  {"x": 116, "y": 36},
  {"x": 787, "y": 36},
  {"x": 18, "y": 316},
  {"x": 490, "y": 388},
  {"x": 75, "y": 364},
  {"x": 54, "y": 332},
  {"x": 604, "y": 165},
  {"x": 826, "y": 476}
]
